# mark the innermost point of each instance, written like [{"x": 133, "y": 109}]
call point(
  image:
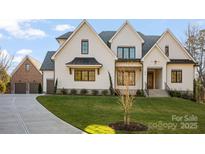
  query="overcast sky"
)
[{"x": 36, "y": 37}]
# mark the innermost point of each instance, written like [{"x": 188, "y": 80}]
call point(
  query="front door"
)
[{"x": 150, "y": 78}]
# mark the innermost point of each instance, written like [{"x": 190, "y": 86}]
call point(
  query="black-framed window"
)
[
  {"x": 126, "y": 52},
  {"x": 84, "y": 75},
  {"x": 84, "y": 47},
  {"x": 167, "y": 50},
  {"x": 126, "y": 76},
  {"x": 176, "y": 76}
]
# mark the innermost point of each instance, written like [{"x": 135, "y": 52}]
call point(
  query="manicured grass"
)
[{"x": 84, "y": 111}]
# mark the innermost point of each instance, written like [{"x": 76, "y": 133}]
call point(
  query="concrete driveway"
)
[{"x": 22, "y": 114}]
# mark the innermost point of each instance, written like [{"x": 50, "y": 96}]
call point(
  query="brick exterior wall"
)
[{"x": 23, "y": 76}]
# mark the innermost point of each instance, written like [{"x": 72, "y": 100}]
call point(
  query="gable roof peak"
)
[
  {"x": 121, "y": 27},
  {"x": 35, "y": 62},
  {"x": 84, "y": 21}
]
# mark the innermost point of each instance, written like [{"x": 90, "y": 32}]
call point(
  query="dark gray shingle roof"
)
[
  {"x": 181, "y": 61},
  {"x": 48, "y": 63},
  {"x": 65, "y": 36},
  {"x": 84, "y": 61},
  {"x": 149, "y": 41}
]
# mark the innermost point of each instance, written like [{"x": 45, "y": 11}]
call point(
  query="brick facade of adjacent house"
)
[{"x": 21, "y": 75}]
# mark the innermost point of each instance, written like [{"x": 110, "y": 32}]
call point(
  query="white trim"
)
[
  {"x": 155, "y": 45},
  {"x": 180, "y": 44},
  {"x": 121, "y": 27},
  {"x": 22, "y": 61},
  {"x": 75, "y": 31}
]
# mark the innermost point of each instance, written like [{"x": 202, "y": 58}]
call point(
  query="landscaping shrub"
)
[
  {"x": 105, "y": 92},
  {"x": 64, "y": 91},
  {"x": 174, "y": 93},
  {"x": 185, "y": 95},
  {"x": 73, "y": 91},
  {"x": 140, "y": 93},
  {"x": 95, "y": 92},
  {"x": 2, "y": 87},
  {"x": 40, "y": 90},
  {"x": 83, "y": 91}
]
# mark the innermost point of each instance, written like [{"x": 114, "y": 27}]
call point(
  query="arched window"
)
[{"x": 167, "y": 50}]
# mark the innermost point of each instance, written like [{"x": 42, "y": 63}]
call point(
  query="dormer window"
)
[
  {"x": 27, "y": 67},
  {"x": 84, "y": 47},
  {"x": 167, "y": 50}
]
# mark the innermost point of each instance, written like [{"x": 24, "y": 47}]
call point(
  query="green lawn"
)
[{"x": 84, "y": 111}]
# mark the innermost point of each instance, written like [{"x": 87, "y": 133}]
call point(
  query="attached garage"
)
[
  {"x": 33, "y": 88},
  {"x": 50, "y": 86},
  {"x": 20, "y": 88}
]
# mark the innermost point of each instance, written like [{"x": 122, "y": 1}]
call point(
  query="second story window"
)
[
  {"x": 167, "y": 51},
  {"x": 126, "y": 52},
  {"x": 27, "y": 67},
  {"x": 84, "y": 47}
]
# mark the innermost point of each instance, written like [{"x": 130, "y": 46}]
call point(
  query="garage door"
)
[
  {"x": 50, "y": 86},
  {"x": 33, "y": 88},
  {"x": 20, "y": 88}
]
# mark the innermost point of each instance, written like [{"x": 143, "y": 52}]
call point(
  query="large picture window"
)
[
  {"x": 126, "y": 76},
  {"x": 176, "y": 76},
  {"x": 84, "y": 75},
  {"x": 84, "y": 46},
  {"x": 126, "y": 52}
]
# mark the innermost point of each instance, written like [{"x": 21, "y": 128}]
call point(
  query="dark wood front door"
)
[
  {"x": 150, "y": 80},
  {"x": 50, "y": 86}
]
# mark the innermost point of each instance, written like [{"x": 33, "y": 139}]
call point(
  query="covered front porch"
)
[
  {"x": 154, "y": 78},
  {"x": 131, "y": 71}
]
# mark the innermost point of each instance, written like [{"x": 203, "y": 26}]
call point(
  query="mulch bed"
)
[{"x": 133, "y": 126}]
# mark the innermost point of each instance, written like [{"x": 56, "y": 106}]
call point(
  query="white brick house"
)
[{"x": 84, "y": 59}]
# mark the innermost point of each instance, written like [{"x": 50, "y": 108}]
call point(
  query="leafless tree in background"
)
[
  {"x": 5, "y": 61},
  {"x": 195, "y": 44}
]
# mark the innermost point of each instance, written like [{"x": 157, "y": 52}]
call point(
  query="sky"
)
[{"x": 35, "y": 37}]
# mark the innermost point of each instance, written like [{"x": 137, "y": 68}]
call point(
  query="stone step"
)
[{"x": 158, "y": 93}]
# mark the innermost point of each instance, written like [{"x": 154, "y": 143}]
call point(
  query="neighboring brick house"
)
[{"x": 26, "y": 77}]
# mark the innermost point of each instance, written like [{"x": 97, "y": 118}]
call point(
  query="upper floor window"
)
[
  {"x": 126, "y": 52},
  {"x": 27, "y": 67},
  {"x": 176, "y": 76},
  {"x": 167, "y": 51},
  {"x": 84, "y": 47}
]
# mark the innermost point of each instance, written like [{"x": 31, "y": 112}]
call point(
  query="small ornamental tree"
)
[
  {"x": 111, "y": 85},
  {"x": 56, "y": 85},
  {"x": 126, "y": 100}
]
